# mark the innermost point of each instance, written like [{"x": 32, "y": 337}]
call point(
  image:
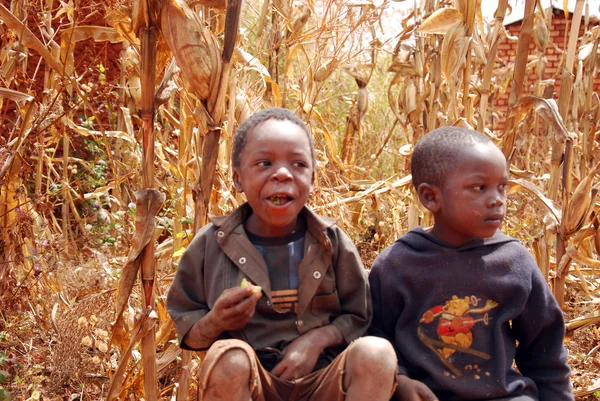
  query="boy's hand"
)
[
  {"x": 299, "y": 359},
  {"x": 413, "y": 390},
  {"x": 234, "y": 308}
]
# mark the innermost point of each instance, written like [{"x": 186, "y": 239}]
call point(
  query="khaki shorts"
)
[{"x": 324, "y": 384}]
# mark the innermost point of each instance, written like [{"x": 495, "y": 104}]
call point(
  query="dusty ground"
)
[{"x": 46, "y": 354}]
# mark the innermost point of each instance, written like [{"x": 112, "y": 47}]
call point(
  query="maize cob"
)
[
  {"x": 580, "y": 205},
  {"x": 255, "y": 288},
  {"x": 194, "y": 48}
]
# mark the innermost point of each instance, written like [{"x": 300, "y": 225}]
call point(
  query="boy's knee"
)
[
  {"x": 371, "y": 354},
  {"x": 232, "y": 363},
  {"x": 227, "y": 361}
]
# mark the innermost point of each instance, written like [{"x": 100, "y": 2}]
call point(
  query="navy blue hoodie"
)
[{"x": 459, "y": 317}]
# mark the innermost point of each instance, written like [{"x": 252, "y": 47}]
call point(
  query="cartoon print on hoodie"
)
[{"x": 455, "y": 321}]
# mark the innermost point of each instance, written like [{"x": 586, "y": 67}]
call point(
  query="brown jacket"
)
[{"x": 333, "y": 287}]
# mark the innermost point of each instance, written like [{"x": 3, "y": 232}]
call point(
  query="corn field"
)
[{"x": 116, "y": 126}]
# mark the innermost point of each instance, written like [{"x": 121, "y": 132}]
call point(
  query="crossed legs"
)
[{"x": 365, "y": 371}]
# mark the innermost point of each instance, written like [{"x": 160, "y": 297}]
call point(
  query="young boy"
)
[
  {"x": 461, "y": 301},
  {"x": 284, "y": 336}
]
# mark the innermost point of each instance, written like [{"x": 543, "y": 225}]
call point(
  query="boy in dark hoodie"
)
[{"x": 465, "y": 306}]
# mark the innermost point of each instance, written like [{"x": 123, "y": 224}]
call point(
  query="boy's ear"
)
[
  {"x": 430, "y": 196},
  {"x": 236, "y": 181}
]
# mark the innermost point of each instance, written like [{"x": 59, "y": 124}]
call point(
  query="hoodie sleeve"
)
[
  {"x": 385, "y": 317},
  {"x": 540, "y": 329}
]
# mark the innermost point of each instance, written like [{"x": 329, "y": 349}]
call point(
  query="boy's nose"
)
[
  {"x": 497, "y": 200},
  {"x": 282, "y": 173}
]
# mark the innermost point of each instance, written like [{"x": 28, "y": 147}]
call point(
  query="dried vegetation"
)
[{"x": 116, "y": 121}]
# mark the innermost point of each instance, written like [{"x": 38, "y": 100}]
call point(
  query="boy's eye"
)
[
  {"x": 478, "y": 187},
  {"x": 300, "y": 164},
  {"x": 263, "y": 163}
]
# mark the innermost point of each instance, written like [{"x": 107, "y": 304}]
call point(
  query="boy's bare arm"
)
[{"x": 232, "y": 311}]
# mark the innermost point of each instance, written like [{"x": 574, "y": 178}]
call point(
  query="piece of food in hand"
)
[{"x": 255, "y": 288}]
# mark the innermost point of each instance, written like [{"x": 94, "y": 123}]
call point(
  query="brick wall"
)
[{"x": 555, "y": 49}]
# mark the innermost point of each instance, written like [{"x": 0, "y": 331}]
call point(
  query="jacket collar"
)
[{"x": 315, "y": 224}]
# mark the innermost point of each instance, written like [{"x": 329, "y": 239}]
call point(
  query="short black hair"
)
[
  {"x": 436, "y": 153},
  {"x": 276, "y": 113}
]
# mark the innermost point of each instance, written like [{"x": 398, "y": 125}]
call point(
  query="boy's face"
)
[
  {"x": 276, "y": 174},
  {"x": 471, "y": 203}
]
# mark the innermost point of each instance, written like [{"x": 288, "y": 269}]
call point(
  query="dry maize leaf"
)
[
  {"x": 468, "y": 9},
  {"x": 545, "y": 108},
  {"x": 582, "y": 259},
  {"x": 542, "y": 255},
  {"x": 580, "y": 204},
  {"x": 585, "y": 51},
  {"x": 392, "y": 99},
  {"x": 28, "y": 39},
  {"x": 518, "y": 184},
  {"x": 540, "y": 32},
  {"x": 462, "y": 123},
  {"x": 441, "y": 21},
  {"x": 403, "y": 68},
  {"x": 194, "y": 47},
  {"x": 454, "y": 50},
  {"x": 589, "y": 319},
  {"x": 168, "y": 356},
  {"x": 97, "y": 33},
  {"x": 360, "y": 72},
  {"x": 142, "y": 326},
  {"x": 14, "y": 95},
  {"x": 218, "y": 4},
  {"x": 579, "y": 94},
  {"x": 148, "y": 204},
  {"x": 413, "y": 216}
]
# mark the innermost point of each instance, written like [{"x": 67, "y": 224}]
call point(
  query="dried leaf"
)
[
  {"x": 15, "y": 96},
  {"x": 540, "y": 32},
  {"x": 579, "y": 206},
  {"x": 144, "y": 323},
  {"x": 28, "y": 39},
  {"x": 441, "y": 20},
  {"x": 148, "y": 204},
  {"x": 454, "y": 50},
  {"x": 97, "y": 33},
  {"x": 589, "y": 319},
  {"x": 545, "y": 108},
  {"x": 516, "y": 185}
]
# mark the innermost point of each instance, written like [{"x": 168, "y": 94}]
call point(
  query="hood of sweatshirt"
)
[{"x": 421, "y": 240}]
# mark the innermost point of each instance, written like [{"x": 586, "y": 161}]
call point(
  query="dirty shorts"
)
[{"x": 323, "y": 384}]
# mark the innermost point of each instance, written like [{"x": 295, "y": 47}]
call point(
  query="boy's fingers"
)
[
  {"x": 425, "y": 393},
  {"x": 279, "y": 369},
  {"x": 232, "y": 296},
  {"x": 245, "y": 306}
]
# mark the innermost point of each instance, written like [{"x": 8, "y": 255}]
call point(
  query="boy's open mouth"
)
[{"x": 279, "y": 200}]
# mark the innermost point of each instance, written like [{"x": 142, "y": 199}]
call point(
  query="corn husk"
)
[
  {"x": 597, "y": 240},
  {"x": 580, "y": 204},
  {"x": 194, "y": 47},
  {"x": 362, "y": 101},
  {"x": 440, "y": 21},
  {"x": 540, "y": 32}
]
